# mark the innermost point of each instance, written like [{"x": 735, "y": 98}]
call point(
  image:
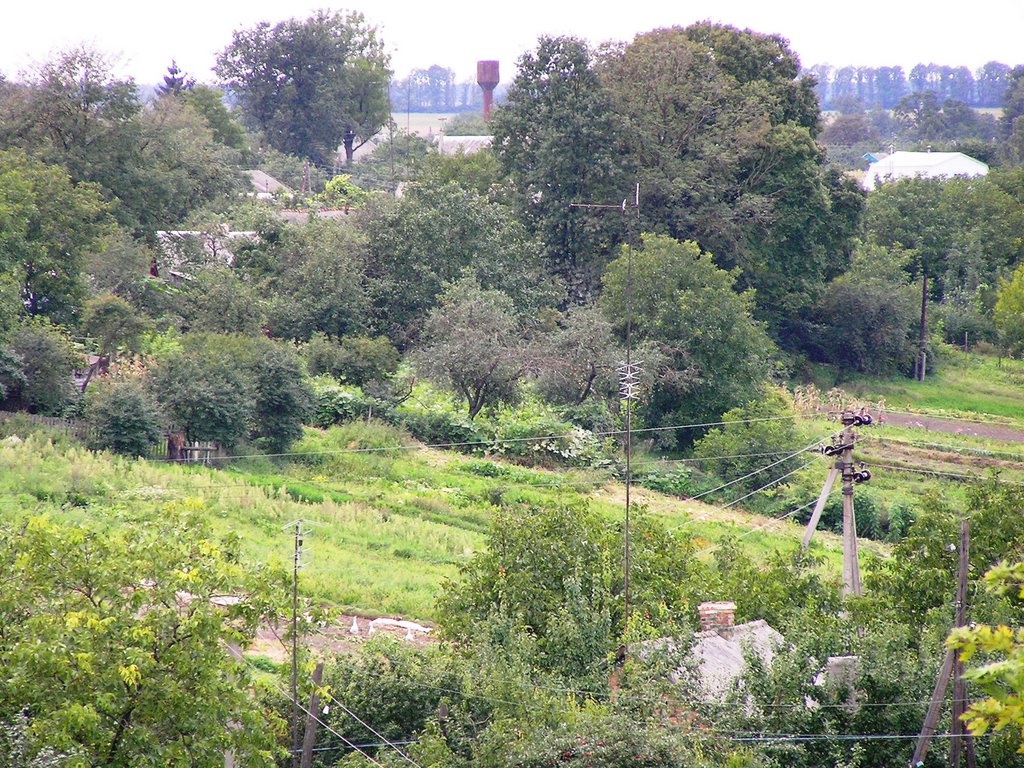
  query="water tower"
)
[{"x": 487, "y": 78}]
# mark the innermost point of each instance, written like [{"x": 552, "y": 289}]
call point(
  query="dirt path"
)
[{"x": 955, "y": 426}]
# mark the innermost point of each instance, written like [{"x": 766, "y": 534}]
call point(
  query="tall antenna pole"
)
[
  {"x": 300, "y": 535},
  {"x": 629, "y": 379},
  {"x": 629, "y": 374}
]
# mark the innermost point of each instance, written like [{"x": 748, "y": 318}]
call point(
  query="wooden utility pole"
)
[
  {"x": 951, "y": 667},
  {"x": 300, "y": 533},
  {"x": 842, "y": 449},
  {"x": 309, "y": 739}
]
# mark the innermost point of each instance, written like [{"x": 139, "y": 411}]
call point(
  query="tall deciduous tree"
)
[
  {"x": 433, "y": 236},
  {"x": 311, "y": 85},
  {"x": 715, "y": 354},
  {"x": 47, "y": 226},
  {"x": 558, "y": 140},
  {"x": 116, "y": 652},
  {"x": 721, "y": 131}
]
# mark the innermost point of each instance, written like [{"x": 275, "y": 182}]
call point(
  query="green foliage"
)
[
  {"x": 220, "y": 301},
  {"x": 282, "y": 399},
  {"x": 341, "y": 191},
  {"x": 433, "y": 236},
  {"x": 205, "y": 394},
  {"x": 158, "y": 164},
  {"x": 337, "y": 68},
  {"x": 604, "y": 741},
  {"x": 40, "y": 362},
  {"x": 353, "y": 359},
  {"x": 123, "y": 416},
  {"x": 769, "y": 428},
  {"x": 47, "y": 226},
  {"x": 124, "y": 620},
  {"x": 578, "y": 360},
  {"x": 875, "y": 682},
  {"x": 557, "y": 139},
  {"x": 316, "y": 275},
  {"x": 865, "y": 319},
  {"x": 721, "y": 133},
  {"x": 473, "y": 344},
  {"x": 338, "y": 404},
  {"x": 535, "y": 434},
  {"x": 476, "y": 171},
  {"x": 1009, "y": 312},
  {"x": 1001, "y": 679},
  {"x": 714, "y": 356},
  {"x": 209, "y": 102},
  {"x": 113, "y": 324}
]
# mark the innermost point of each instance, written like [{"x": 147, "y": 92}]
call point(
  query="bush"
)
[
  {"x": 738, "y": 444},
  {"x": 353, "y": 359},
  {"x": 444, "y": 428},
  {"x": 123, "y": 416},
  {"x": 38, "y": 367},
  {"x": 539, "y": 436},
  {"x": 336, "y": 404}
]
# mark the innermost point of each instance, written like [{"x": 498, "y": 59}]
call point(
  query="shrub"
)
[
  {"x": 736, "y": 445},
  {"x": 334, "y": 404},
  {"x": 123, "y": 416},
  {"x": 353, "y": 359},
  {"x": 46, "y": 359}
]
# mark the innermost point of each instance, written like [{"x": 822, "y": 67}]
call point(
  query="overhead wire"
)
[
  {"x": 242, "y": 657},
  {"x": 493, "y": 441}
]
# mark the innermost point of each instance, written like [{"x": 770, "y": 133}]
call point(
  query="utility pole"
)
[
  {"x": 629, "y": 372},
  {"x": 309, "y": 740},
  {"x": 300, "y": 533},
  {"x": 842, "y": 449},
  {"x": 951, "y": 666}
]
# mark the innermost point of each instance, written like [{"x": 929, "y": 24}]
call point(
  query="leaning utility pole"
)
[
  {"x": 300, "y": 532},
  {"x": 951, "y": 666},
  {"x": 842, "y": 449}
]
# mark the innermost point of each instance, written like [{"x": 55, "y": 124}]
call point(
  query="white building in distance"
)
[{"x": 903, "y": 165}]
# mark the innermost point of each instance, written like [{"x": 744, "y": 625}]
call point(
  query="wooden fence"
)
[{"x": 195, "y": 452}]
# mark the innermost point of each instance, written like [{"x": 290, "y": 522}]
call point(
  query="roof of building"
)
[
  {"x": 265, "y": 184},
  {"x": 451, "y": 145},
  {"x": 900, "y": 165},
  {"x": 720, "y": 653}
]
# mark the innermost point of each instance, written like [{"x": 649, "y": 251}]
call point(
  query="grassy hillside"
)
[
  {"x": 965, "y": 384},
  {"x": 390, "y": 522}
]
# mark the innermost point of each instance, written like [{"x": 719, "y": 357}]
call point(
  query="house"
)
[
  {"x": 452, "y": 145},
  {"x": 183, "y": 251},
  {"x": 265, "y": 186},
  {"x": 903, "y": 165},
  {"x": 717, "y": 656}
]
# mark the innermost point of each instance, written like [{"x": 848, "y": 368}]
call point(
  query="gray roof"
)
[
  {"x": 264, "y": 183},
  {"x": 451, "y": 145}
]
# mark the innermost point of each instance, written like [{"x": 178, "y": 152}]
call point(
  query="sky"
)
[{"x": 142, "y": 38}]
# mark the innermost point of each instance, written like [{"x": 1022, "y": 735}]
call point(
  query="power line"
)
[
  {"x": 493, "y": 441},
  {"x": 242, "y": 657}
]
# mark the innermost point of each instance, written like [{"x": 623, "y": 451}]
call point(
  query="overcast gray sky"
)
[{"x": 144, "y": 37}]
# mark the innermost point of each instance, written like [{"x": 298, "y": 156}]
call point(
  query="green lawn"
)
[
  {"x": 390, "y": 524},
  {"x": 965, "y": 384}
]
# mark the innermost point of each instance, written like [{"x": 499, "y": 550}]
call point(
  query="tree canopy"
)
[{"x": 310, "y": 85}]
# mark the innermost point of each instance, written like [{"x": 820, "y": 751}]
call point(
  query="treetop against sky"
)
[{"x": 457, "y": 34}]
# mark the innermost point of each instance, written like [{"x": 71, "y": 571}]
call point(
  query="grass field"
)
[
  {"x": 965, "y": 385},
  {"x": 390, "y": 524},
  {"x": 393, "y": 520}
]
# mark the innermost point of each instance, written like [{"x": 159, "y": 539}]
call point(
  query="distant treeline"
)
[
  {"x": 842, "y": 87},
  {"x": 435, "y": 90}
]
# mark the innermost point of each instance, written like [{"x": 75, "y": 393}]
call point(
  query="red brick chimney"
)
[{"x": 714, "y": 617}]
